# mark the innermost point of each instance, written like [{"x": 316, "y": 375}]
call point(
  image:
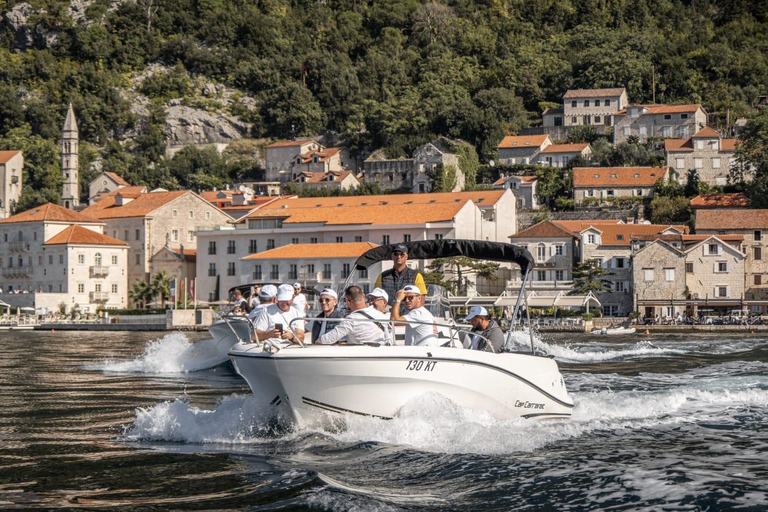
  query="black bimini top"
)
[{"x": 432, "y": 249}]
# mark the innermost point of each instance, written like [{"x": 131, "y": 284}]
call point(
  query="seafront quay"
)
[{"x": 171, "y": 320}]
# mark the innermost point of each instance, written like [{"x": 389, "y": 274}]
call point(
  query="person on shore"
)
[
  {"x": 355, "y": 331},
  {"x": 400, "y": 275},
  {"x": 274, "y": 321},
  {"x": 328, "y": 302},
  {"x": 267, "y": 295},
  {"x": 487, "y": 328},
  {"x": 425, "y": 332},
  {"x": 299, "y": 299}
]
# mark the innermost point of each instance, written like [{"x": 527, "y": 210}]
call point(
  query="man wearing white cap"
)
[
  {"x": 299, "y": 299},
  {"x": 274, "y": 321},
  {"x": 355, "y": 328},
  {"x": 489, "y": 330},
  {"x": 267, "y": 295},
  {"x": 378, "y": 299},
  {"x": 318, "y": 326},
  {"x": 425, "y": 332}
]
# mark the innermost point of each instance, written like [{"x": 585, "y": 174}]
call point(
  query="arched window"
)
[{"x": 97, "y": 259}]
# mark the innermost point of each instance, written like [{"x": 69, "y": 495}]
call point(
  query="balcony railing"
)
[
  {"x": 20, "y": 246},
  {"x": 99, "y": 270},
  {"x": 17, "y": 272},
  {"x": 99, "y": 296}
]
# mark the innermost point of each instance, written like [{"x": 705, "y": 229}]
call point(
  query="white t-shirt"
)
[
  {"x": 272, "y": 315},
  {"x": 356, "y": 332},
  {"x": 300, "y": 303},
  {"x": 420, "y": 334},
  {"x": 254, "y": 314}
]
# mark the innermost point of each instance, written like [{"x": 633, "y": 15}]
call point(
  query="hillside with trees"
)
[{"x": 390, "y": 74}]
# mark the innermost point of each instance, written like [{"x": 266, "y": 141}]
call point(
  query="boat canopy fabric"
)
[
  {"x": 560, "y": 300},
  {"x": 432, "y": 249}
]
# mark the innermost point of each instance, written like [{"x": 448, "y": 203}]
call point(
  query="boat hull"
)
[
  {"x": 306, "y": 384},
  {"x": 227, "y": 332}
]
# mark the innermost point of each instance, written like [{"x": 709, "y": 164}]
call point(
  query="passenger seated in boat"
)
[
  {"x": 487, "y": 328},
  {"x": 274, "y": 321},
  {"x": 267, "y": 295},
  {"x": 355, "y": 331},
  {"x": 378, "y": 299},
  {"x": 415, "y": 334},
  {"x": 240, "y": 306},
  {"x": 319, "y": 326}
]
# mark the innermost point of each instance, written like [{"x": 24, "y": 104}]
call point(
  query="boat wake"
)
[
  {"x": 432, "y": 423},
  {"x": 172, "y": 354}
]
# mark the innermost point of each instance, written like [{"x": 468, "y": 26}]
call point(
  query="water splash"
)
[{"x": 174, "y": 353}]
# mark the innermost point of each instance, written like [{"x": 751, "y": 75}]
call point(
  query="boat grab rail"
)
[{"x": 229, "y": 317}]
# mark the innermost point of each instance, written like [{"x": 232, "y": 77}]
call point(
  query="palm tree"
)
[
  {"x": 161, "y": 285},
  {"x": 140, "y": 293}
]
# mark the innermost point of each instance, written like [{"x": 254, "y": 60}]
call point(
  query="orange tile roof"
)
[
  {"x": 83, "y": 236},
  {"x": 323, "y": 155},
  {"x": 617, "y": 176},
  {"x": 213, "y": 195},
  {"x": 51, "y": 213},
  {"x": 735, "y": 200},
  {"x": 621, "y": 234},
  {"x": 117, "y": 179},
  {"x": 686, "y": 145},
  {"x": 368, "y": 215},
  {"x": 724, "y": 238},
  {"x": 143, "y": 205},
  {"x": 522, "y": 141},
  {"x": 545, "y": 229},
  {"x": 290, "y": 143},
  {"x": 707, "y": 133},
  {"x": 321, "y": 177},
  {"x": 663, "y": 109},
  {"x": 577, "y": 226},
  {"x": 566, "y": 148},
  {"x": 592, "y": 93},
  {"x": 313, "y": 251},
  {"x": 728, "y": 144},
  {"x": 7, "y": 155},
  {"x": 731, "y": 218},
  {"x": 523, "y": 179}
]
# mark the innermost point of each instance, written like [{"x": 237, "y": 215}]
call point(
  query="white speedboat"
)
[
  {"x": 613, "y": 331},
  {"x": 306, "y": 383}
]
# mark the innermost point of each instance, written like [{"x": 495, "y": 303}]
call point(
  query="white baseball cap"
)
[
  {"x": 476, "y": 311},
  {"x": 268, "y": 291},
  {"x": 330, "y": 293},
  {"x": 378, "y": 292},
  {"x": 285, "y": 292},
  {"x": 411, "y": 288},
  {"x": 297, "y": 286}
]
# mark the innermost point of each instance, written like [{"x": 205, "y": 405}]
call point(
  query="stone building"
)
[
  {"x": 661, "y": 121},
  {"x": 715, "y": 269},
  {"x": 658, "y": 275},
  {"x": 706, "y": 152},
  {"x": 105, "y": 183},
  {"x": 525, "y": 188},
  {"x": 11, "y": 175},
  {"x": 387, "y": 173},
  {"x": 151, "y": 221},
  {"x": 334, "y": 180},
  {"x": 555, "y": 251},
  {"x": 588, "y": 107},
  {"x": 559, "y": 155},
  {"x": 608, "y": 182},
  {"x": 55, "y": 256},
  {"x": 70, "y": 141},
  {"x": 281, "y": 157},
  {"x": 321, "y": 160}
]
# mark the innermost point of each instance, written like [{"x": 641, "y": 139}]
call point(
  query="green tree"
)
[
  {"x": 161, "y": 285},
  {"x": 140, "y": 293},
  {"x": 589, "y": 276},
  {"x": 457, "y": 269},
  {"x": 668, "y": 210},
  {"x": 752, "y": 159}
]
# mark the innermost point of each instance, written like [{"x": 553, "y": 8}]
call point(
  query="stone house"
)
[
  {"x": 148, "y": 222},
  {"x": 321, "y": 160},
  {"x": 558, "y": 155},
  {"x": 751, "y": 224},
  {"x": 11, "y": 175},
  {"x": 589, "y": 107},
  {"x": 609, "y": 182},
  {"x": 525, "y": 188},
  {"x": 715, "y": 269},
  {"x": 105, "y": 183},
  {"x": 387, "y": 173},
  {"x": 706, "y": 152},
  {"x": 281, "y": 156},
  {"x": 429, "y": 156},
  {"x": 335, "y": 180},
  {"x": 59, "y": 256},
  {"x": 662, "y": 121},
  {"x": 658, "y": 276},
  {"x": 555, "y": 251},
  {"x": 382, "y": 219},
  {"x": 522, "y": 149}
]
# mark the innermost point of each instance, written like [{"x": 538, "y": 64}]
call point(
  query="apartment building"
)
[
  {"x": 555, "y": 251},
  {"x": 706, "y": 152},
  {"x": 383, "y": 219},
  {"x": 52, "y": 257},
  {"x": 605, "y": 183}
]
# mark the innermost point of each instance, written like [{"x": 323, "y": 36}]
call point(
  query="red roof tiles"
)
[
  {"x": 82, "y": 236},
  {"x": 7, "y": 155},
  {"x": 143, "y": 205},
  {"x": 522, "y": 141},
  {"x": 593, "y": 93},
  {"x": 617, "y": 176},
  {"x": 566, "y": 148},
  {"x": 51, "y": 213},
  {"x": 723, "y": 219},
  {"x": 313, "y": 251},
  {"x": 736, "y": 200}
]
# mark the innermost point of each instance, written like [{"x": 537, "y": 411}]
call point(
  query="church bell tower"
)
[{"x": 70, "y": 138}]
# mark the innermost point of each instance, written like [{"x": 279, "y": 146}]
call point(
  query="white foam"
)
[{"x": 173, "y": 353}]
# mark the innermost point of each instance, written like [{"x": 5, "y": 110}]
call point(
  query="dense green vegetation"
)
[{"x": 385, "y": 73}]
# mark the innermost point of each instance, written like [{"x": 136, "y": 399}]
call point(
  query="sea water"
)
[{"x": 134, "y": 420}]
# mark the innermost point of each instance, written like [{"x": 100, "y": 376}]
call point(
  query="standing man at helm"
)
[{"x": 399, "y": 276}]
